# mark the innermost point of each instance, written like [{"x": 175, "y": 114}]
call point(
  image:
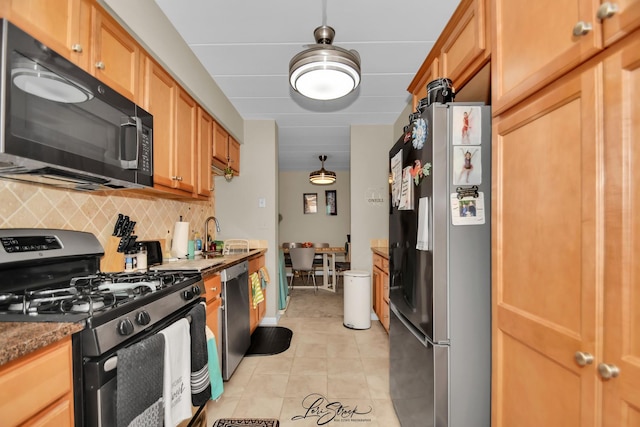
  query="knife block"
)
[{"x": 112, "y": 261}]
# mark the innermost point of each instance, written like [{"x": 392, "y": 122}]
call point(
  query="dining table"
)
[{"x": 329, "y": 273}]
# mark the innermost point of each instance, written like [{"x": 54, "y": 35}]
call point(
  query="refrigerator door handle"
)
[
  {"x": 393, "y": 279},
  {"x": 419, "y": 336}
]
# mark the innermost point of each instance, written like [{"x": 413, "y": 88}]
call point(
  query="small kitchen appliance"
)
[{"x": 52, "y": 276}]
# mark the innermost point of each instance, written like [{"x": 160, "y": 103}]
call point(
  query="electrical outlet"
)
[{"x": 262, "y": 203}]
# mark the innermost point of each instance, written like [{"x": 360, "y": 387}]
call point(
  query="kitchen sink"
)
[{"x": 212, "y": 254}]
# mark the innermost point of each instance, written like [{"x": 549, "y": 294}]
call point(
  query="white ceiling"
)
[{"x": 246, "y": 46}]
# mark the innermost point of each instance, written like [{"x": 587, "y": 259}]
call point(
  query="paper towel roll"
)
[{"x": 179, "y": 244}]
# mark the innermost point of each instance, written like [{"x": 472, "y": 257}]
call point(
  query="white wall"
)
[
  {"x": 401, "y": 122},
  {"x": 319, "y": 227},
  {"x": 237, "y": 201},
  {"x": 370, "y": 146}
]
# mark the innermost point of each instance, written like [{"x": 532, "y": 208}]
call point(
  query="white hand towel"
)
[{"x": 177, "y": 373}]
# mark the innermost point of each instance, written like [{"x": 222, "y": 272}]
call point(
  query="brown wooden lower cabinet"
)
[
  {"x": 381, "y": 289},
  {"x": 37, "y": 390},
  {"x": 256, "y": 313},
  {"x": 566, "y": 346}
]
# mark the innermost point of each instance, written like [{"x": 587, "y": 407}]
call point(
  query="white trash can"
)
[{"x": 357, "y": 299}]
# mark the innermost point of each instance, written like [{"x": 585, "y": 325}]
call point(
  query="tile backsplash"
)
[{"x": 33, "y": 206}]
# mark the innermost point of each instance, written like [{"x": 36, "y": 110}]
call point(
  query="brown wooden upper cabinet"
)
[
  {"x": 462, "y": 49},
  {"x": 62, "y": 25},
  {"x": 84, "y": 33},
  {"x": 204, "y": 148},
  {"x": 535, "y": 45},
  {"x": 226, "y": 150},
  {"x": 115, "y": 55},
  {"x": 186, "y": 138},
  {"x": 174, "y": 120}
]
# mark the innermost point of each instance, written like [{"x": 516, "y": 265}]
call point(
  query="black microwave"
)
[{"x": 60, "y": 126}]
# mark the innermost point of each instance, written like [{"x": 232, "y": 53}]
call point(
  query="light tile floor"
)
[{"x": 344, "y": 372}]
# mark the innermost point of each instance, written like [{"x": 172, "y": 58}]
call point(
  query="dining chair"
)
[
  {"x": 302, "y": 262},
  {"x": 319, "y": 258},
  {"x": 342, "y": 266}
]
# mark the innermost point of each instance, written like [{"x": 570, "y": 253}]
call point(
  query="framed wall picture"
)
[
  {"x": 332, "y": 202},
  {"x": 310, "y": 201}
]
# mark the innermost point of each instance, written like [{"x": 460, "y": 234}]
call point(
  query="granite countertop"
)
[
  {"x": 21, "y": 338},
  {"x": 383, "y": 252}
]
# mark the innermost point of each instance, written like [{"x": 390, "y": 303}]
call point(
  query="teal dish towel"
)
[
  {"x": 282, "y": 282},
  {"x": 214, "y": 366}
]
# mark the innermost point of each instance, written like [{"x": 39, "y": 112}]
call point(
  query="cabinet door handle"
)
[
  {"x": 582, "y": 28},
  {"x": 176, "y": 178},
  {"x": 76, "y": 47},
  {"x": 583, "y": 358},
  {"x": 608, "y": 371},
  {"x": 607, "y": 10},
  {"x": 100, "y": 65}
]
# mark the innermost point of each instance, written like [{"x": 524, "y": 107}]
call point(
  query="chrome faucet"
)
[{"x": 206, "y": 228}]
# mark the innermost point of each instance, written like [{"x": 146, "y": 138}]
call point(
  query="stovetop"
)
[
  {"x": 91, "y": 296},
  {"x": 50, "y": 275}
]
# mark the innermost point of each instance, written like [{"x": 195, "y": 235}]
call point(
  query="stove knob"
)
[
  {"x": 188, "y": 294},
  {"x": 143, "y": 318},
  {"x": 125, "y": 327},
  {"x": 196, "y": 290}
]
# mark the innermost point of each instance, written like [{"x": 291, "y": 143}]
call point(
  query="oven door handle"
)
[{"x": 111, "y": 363}]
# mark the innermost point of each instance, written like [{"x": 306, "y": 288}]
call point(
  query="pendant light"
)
[
  {"x": 324, "y": 71},
  {"x": 322, "y": 176}
]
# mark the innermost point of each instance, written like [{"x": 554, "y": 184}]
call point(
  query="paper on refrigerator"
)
[
  {"x": 422, "y": 242},
  {"x": 396, "y": 178},
  {"x": 406, "y": 190}
]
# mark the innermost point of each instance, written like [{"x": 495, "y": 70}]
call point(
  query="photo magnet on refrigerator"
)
[{"x": 467, "y": 210}]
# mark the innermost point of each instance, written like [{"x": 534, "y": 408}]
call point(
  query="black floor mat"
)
[{"x": 267, "y": 340}]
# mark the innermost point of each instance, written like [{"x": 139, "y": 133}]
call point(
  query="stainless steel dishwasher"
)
[{"x": 236, "y": 333}]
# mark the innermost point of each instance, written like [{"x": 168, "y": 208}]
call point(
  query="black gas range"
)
[{"x": 53, "y": 275}]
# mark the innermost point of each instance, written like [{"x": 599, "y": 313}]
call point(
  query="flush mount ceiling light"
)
[
  {"x": 322, "y": 177},
  {"x": 324, "y": 71}
]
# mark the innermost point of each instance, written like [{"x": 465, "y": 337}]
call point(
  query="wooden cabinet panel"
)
[
  {"x": 381, "y": 289},
  {"x": 203, "y": 158},
  {"x": 31, "y": 384},
  {"x": 466, "y": 44},
  {"x": 220, "y": 144},
  {"x": 58, "y": 415},
  {"x": 184, "y": 148},
  {"x": 384, "y": 297},
  {"x": 256, "y": 313},
  {"x": 213, "y": 286},
  {"x": 160, "y": 100},
  {"x": 622, "y": 236},
  {"x": 226, "y": 150},
  {"x": 234, "y": 155},
  {"x": 533, "y": 46},
  {"x": 213, "y": 308},
  {"x": 546, "y": 267},
  {"x": 115, "y": 55},
  {"x": 622, "y": 22},
  {"x": 59, "y": 24}
]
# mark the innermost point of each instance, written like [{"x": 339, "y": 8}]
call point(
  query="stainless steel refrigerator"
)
[{"x": 440, "y": 268}]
